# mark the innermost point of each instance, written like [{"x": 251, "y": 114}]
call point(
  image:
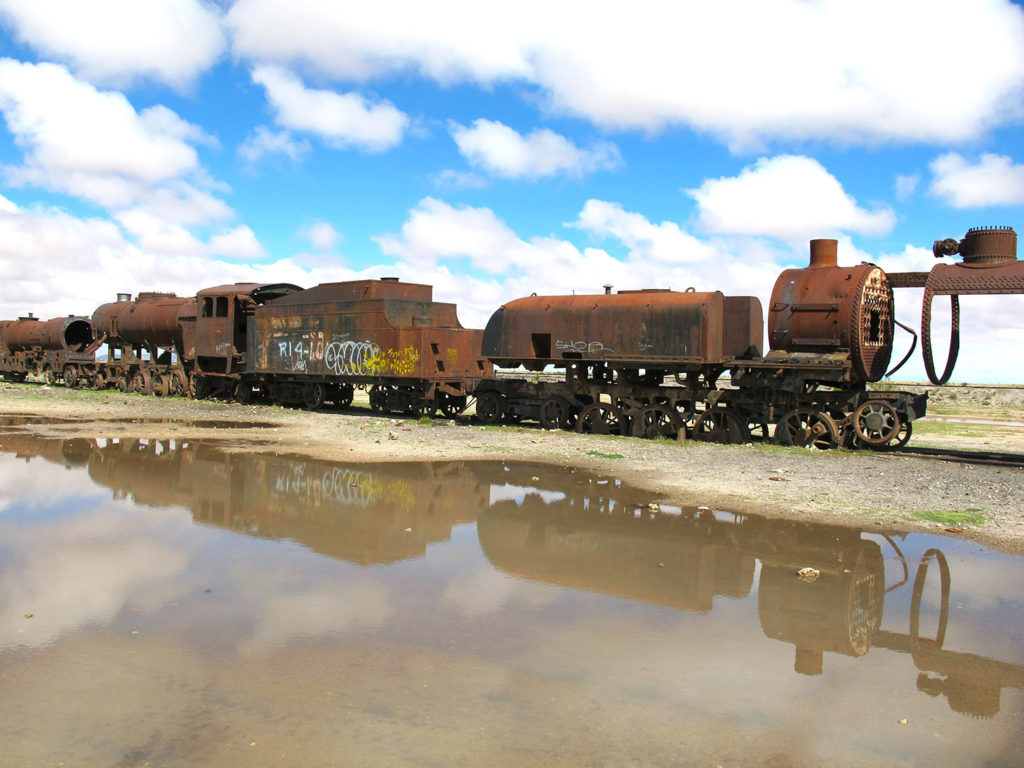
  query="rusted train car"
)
[
  {"x": 649, "y": 363},
  {"x": 316, "y": 345},
  {"x": 56, "y": 349}
]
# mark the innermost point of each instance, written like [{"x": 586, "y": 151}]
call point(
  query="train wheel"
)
[
  {"x": 660, "y": 421},
  {"x": 70, "y": 376},
  {"x": 601, "y": 419},
  {"x": 313, "y": 396},
  {"x": 807, "y": 428},
  {"x": 876, "y": 423},
  {"x": 901, "y": 439},
  {"x": 121, "y": 382},
  {"x": 179, "y": 384},
  {"x": 142, "y": 384},
  {"x": 161, "y": 385},
  {"x": 378, "y": 398},
  {"x": 49, "y": 376},
  {"x": 243, "y": 392},
  {"x": 718, "y": 425},
  {"x": 489, "y": 407},
  {"x": 201, "y": 387},
  {"x": 343, "y": 395},
  {"x": 556, "y": 413},
  {"x": 424, "y": 407}
]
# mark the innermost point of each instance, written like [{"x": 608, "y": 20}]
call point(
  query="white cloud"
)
[
  {"x": 788, "y": 196},
  {"x": 239, "y": 242},
  {"x": 993, "y": 180},
  {"x": 117, "y": 41},
  {"x": 341, "y": 120},
  {"x": 263, "y": 141},
  {"x": 906, "y": 185},
  {"x": 815, "y": 77},
  {"x": 449, "y": 179},
  {"x": 502, "y": 151},
  {"x": 94, "y": 145},
  {"x": 323, "y": 236},
  {"x": 437, "y": 240}
]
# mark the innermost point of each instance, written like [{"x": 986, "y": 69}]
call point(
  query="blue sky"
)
[{"x": 495, "y": 151}]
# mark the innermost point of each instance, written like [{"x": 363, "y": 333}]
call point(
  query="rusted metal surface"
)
[
  {"x": 55, "y": 348},
  {"x": 363, "y": 330},
  {"x": 149, "y": 321},
  {"x": 825, "y": 308},
  {"x": 638, "y": 327},
  {"x": 989, "y": 267},
  {"x": 68, "y": 334},
  {"x": 222, "y": 320}
]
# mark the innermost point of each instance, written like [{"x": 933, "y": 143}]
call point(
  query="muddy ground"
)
[{"x": 864, "y": 489}]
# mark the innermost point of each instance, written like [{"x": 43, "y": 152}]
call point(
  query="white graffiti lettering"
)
[
  {"x": 352, "y": 358},
  {"x": 591, "y": 347}
]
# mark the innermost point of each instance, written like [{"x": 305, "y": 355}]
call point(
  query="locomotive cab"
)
[{"x": 220, "y": 325}]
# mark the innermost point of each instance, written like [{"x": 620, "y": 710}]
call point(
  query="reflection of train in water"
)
[
  {"x": 638, "y": 362},
  {"x": 574, "y": 530}
]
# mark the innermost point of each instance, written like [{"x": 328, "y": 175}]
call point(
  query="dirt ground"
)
[{"x": 864, "y": 489}]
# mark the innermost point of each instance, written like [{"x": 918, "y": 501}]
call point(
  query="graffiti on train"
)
[{"x": 310, "y": 352}]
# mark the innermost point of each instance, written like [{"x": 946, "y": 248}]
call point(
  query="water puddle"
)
[
  {"x": 166, "y": 603},
  {"x": 10, "y": 423}
]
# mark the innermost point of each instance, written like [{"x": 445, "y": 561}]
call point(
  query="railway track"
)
[{"x": 988, "y": 458}]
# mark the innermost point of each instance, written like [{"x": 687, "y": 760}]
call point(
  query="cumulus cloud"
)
[
  {"x": 53, "y": 263},
  {"x": 322, "y": 235},
  {"x": 789, "y": 196},
  {"x": 993, "y": 180},
  {"x": 263, "y": 142},
  {"x": 502, "y": 151},
  {"x": 94, "y": 145},
  {"x": 815, "y": 78},
  {"x": 341, "y": 120},
  {"x": 438, "y": 241},
  {"x": 117, "y": 41}
]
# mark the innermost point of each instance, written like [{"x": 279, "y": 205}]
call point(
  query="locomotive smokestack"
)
[
  {"x": 824, "y": 253},
  {"x": 124, "y": 297},
  {"x": 607, "y": 289}
]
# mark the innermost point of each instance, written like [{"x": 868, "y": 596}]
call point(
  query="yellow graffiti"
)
[
  {"x": 453, "y": 358},
  {"x": 394, "y": 362}
]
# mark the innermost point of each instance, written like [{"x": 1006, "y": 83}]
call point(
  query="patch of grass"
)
[
  {"x": 605, "y": 455},
  {"x": 969, "y": 516}
]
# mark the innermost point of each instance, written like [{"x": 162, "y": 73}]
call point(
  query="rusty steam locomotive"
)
[{"x": 646, "y": 363}]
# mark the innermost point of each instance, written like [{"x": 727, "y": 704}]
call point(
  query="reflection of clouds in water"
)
[
  {"x": 287, "y": 609},
  {"x": 487, "y": 591},
  {"x": 38, "y": 484},
  {"x": 517, "y": 493},
  {"x": 982, "y": 592},
  {"x": 86, "y": 569}
]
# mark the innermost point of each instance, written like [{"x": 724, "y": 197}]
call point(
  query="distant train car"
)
[
  {"x": 144, "y": 340},
  {"x": 316, "y": 345},
  {"x": 56, "y": 349}
]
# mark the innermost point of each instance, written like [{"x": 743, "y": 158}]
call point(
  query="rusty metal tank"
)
[
  {"x": 827, "y": 308},
  {"x": 67, "y": 334},
  {"x": 364, "y": 328},
  {"x": 645, "y": 326},
  {"x": 151, "y": 320}
]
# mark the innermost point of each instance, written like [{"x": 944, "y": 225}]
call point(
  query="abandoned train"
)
[{"x": 647, "y": 363}]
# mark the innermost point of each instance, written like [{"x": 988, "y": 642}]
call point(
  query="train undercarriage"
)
[{"x": 789, "y": 402}]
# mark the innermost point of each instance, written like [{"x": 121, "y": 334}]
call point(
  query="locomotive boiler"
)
[
  {"x": 54, "y": 349},
  {"x": 144, "y": 341}
]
